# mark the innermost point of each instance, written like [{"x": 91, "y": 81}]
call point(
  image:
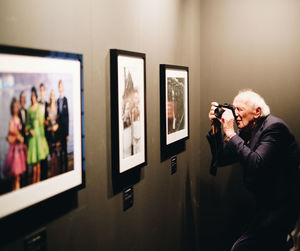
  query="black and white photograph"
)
[
  {"x": 174, "y": 104},
  {"x": 131, "y": 121},
  {"x": 40, "y": 130},
  {"x": 129, "y": 83},
  {"x": 176, "y": 99}
]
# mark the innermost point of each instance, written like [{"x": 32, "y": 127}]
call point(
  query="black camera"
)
[{"x": 220, "y": 110}]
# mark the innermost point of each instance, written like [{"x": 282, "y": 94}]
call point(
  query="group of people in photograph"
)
[{"x": 37, "y": 137}]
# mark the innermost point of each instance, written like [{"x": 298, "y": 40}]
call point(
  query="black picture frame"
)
[
  {"x": 21, "y": 69},
  {"x": 174, "y": 115},
  {"x": 128, "y": 110}
]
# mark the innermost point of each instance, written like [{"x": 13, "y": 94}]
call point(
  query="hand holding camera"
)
[
  {"x": 215, "y": 123},
  {"x": 222, "y": 115}
]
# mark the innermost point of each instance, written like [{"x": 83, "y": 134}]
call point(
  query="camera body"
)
[{"x": 220, "y": 110}]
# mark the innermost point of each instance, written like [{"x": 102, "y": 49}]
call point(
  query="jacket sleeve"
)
[
  {"x": 222, "y": 155},
  {"x": 265, "y": 149}
]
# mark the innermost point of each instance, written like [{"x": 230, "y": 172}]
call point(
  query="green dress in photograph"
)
[{"x": 37, "y": 144}]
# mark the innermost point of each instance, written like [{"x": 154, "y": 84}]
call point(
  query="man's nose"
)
[{"x": 236, "y": 112}]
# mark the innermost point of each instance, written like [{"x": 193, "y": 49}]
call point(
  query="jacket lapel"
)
[{"x": 257, "y": 132}]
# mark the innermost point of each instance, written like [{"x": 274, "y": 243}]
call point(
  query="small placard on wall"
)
[
  {"x": 173, "y": 164},
  {"x": 127, "y": 198},
  {"x": 36, "y": 241}
]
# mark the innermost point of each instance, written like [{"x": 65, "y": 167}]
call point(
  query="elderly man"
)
[{"x": 269, "y": 157}]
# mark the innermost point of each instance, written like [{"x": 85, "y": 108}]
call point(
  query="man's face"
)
[
  {"x": 61, "y": 88},
  {"x": 42, "y": 92},
  {"x": 23, "y": 100},
  {"x": 245, "y": 112}
]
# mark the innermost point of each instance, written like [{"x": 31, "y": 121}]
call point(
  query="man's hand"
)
[
  {"x": 211, "y": 114},
  {"x": 227, "y": 122},
  {"x": 54, "y": 127},
  {"x": 215, "y": 124}
]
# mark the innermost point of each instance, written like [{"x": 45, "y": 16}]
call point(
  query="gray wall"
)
[
  {"x": 244, "y": 44},
  {"x": 168, "y": 32}
]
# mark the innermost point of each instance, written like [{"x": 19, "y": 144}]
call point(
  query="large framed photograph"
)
[
  {"x": 128, "y": 110},
  {"x": 174, "y": 108},
  {"x": 41, "y": 120}
]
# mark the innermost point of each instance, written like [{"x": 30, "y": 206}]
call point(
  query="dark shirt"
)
[
  {"x": 63, "y": 117},
  {"x": 22, "y": 116}
]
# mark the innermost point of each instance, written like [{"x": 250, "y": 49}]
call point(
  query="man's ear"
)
[{"x": 257, "y": 112}]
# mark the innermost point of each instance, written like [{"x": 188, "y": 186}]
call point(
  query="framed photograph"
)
[
  {"x": 128, "y": 109},
  {"x": 174, "y": 108},
  {"x": 41, "y": 120}
]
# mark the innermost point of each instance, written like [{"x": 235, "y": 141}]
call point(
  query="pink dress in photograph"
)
[{"x": 15, "y": 162}]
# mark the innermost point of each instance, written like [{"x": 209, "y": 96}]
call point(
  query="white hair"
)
[{"x": 255, "y": 99}]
